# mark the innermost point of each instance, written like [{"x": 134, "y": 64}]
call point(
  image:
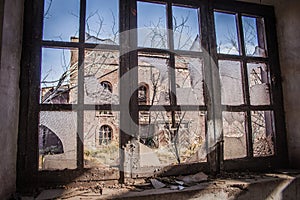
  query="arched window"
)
[
  {"x": 106, "y": 85},
  {"x": 143, "y": 94},
  {"x": 105, "y": 134}
]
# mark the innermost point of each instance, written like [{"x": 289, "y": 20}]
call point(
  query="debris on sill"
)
[
  {"x": 232, "y": 183},
  {"x": 176, "y": 187},
  {"x": 157, "y": 184},
  {"x": 178, "y": 183},
  {"x": 193, "y": 179}
]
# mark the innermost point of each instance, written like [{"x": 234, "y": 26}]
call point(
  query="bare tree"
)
[
  {"x": 183, "y": 31},
  {"x": 46, "y": 13},
  {"x": 157, "y": 34},
  {"x": 157, "y": 38},
  {"x": 232, "y": 39}
]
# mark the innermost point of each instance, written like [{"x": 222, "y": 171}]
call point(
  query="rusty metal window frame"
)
[{"x": 30, "y": 78}]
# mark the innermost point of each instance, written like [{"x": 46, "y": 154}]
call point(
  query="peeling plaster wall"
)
[
  {"x": 288, "y": 30},
  {"x": 9, "y": 94}
]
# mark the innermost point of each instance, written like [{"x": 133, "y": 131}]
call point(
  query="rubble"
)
[
  {"x": 176, "y": 187},
  {"x": 157, "y": 184},
  {"x": 193, "y": 179}
]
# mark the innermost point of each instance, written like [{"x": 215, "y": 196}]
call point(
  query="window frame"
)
[
  {"x": 30, "y": 78},
  {"x": 279, "y": 159}
]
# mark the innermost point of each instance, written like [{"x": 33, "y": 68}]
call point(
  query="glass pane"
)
[
  {"x": 57, "y": 140},
  {"x": 231, "y": 82},
  {"x": 235, "y": 145},
  {"x": 262, "y": 133},
  {"x": 102, "y": 22},
  {"x": 186, "y": 29},
  {"x": 189, "y": 81},
  {"x": 226, "y": 33},
  {"x": 152, "y": 28},
  {"x": 58, "y": 76},
  {"x": 258, "y": 83},
  {"x": 254, "y": 36},
  {"x": 101, "y": 77},
  {"x": 101, "y": 140},
  {"x": 61, "y": 20},
  {"x": 163, "y": 142},
  {"x": 153, "y": 72}
]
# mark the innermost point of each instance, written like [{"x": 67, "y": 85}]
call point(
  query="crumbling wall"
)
[{"x": 11, "y": 46}]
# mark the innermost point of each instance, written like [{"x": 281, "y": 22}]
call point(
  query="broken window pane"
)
[
  {"x": 262, "y": 133},
  {"x": 226, "y": 33},
  {"x": 163, "y": 142},
  {"x": 58, "y": 76},
  {"x": 57, "y": 140},
  {"x": 61, "y": 20},
  {"x": 231, "y": 82},
  {"x": 235, "y": 145},
  {"x": 254, "y": 36},
  {"x": 101, "y": 77},
  {"x": 189, "y": 80},
  {"x": 186, "y": 29},
  {"x": 153, "y": 71},
  {"x": 152, "y": 27},
  {"x": 102, "y": 22},
  {"x": 101, "y": 141},
  {"x": 259, "y": 86}
]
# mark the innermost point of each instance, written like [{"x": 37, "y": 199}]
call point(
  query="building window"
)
[
  {"x": 209, "y": 72},
  {"x": 106, "y": 86},
  {"x": 105, "y": 135},
  {"x": 105, "y": 113},
  {"x": 143, "y": 94}
]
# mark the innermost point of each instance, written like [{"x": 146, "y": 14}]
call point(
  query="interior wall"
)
[
  {"x": 11, "y": 46},
  {"x": 288, "y": 31}
]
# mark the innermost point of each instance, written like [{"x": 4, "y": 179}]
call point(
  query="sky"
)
[
  {"x": 226, "y": 30},
  {"x": 151, "y": 16},
  {"x": 61, "y": 22}
]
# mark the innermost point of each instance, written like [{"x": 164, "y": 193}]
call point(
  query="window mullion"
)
[
  {"x": 248, "y": 114},
  {"x": 80, "y": 111},
  {"x": 213, "y": 97},
  {"x": 133, "y": 119},
  {"x": 239, "y": 24},
  {"x": 128, "y": 79},
  {"x": 245, "y": 83},
  {"x": 172, "y": 79}
]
